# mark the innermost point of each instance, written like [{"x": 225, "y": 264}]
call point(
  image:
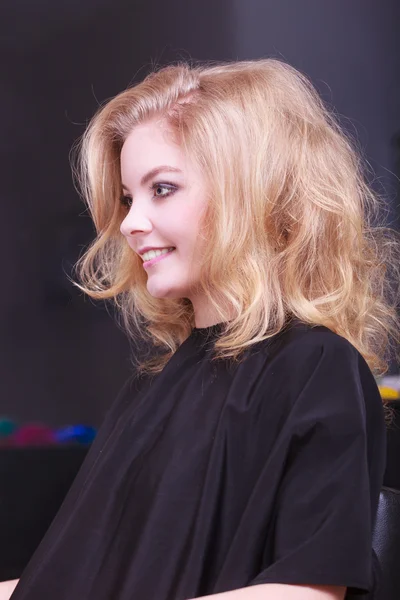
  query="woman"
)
[{"x": 243, "y": 459}]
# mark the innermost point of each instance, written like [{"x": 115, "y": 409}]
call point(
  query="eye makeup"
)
[{"x": 170, "y": 188}]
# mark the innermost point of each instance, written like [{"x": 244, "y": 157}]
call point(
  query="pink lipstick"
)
[{"x": 153, "y": 261}]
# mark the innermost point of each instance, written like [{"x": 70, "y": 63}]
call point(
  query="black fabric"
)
[{"x": 213, "y": 476}]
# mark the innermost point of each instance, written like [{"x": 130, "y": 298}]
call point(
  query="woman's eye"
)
[
  {"x": 126, "y": 201},
  {"x": 161, "y": 190}
]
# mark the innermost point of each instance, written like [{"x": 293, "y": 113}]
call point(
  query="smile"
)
[{"x": 154, "y": 256}]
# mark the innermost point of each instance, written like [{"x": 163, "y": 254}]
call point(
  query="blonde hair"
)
[{"x": 290, "y": 220}]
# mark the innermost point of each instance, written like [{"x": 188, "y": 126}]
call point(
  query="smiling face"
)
[{"x": 165, "y": 198}]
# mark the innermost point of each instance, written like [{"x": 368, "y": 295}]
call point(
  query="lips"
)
[
  {"x": 156, "y": 259},
  {"x": 150, "y": 253}
]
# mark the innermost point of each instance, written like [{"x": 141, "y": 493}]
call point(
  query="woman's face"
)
[{"x": 165, "y": 197}]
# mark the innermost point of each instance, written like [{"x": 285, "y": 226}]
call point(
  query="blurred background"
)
[{"x": 63, "y": 359}]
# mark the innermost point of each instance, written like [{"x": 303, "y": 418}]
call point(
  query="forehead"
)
[
  {"x": 149, "y": 145},
  {"x": 155, "y": 136}
]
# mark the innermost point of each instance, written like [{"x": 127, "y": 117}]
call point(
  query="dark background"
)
[{"x": 62, "y": 358}]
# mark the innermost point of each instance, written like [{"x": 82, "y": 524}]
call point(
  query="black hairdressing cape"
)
[{"x": 213, "y": 476}]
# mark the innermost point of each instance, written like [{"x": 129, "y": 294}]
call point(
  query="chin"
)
[{"x": 160, "y": 291}]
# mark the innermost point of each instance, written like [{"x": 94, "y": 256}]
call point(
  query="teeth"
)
[{"x": 153, "y": 253}]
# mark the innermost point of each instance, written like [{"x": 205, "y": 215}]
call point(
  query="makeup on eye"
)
[{"x": 171, "y": 188}]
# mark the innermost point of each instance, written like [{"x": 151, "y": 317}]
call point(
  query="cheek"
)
[
  {"x": 181, "y": 225},
  {"x": 183, "y": 229},
  {"x": 193, "y": 223}
]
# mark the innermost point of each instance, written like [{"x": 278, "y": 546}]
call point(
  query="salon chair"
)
[{"x": 386, "y": 543}]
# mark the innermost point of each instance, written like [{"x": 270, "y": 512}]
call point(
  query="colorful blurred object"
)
[
  {"x": 389, "y": 393},
  {"x": 83, "y": 434},
  {"x": 389, "y": 387},
  {"x": 33, "y": 434},
  {"x": 7, "y": 427},
  {"x": 39, "y": 434}
]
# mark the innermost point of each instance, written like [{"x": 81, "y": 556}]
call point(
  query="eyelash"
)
[{"x": 126, "y": 201}]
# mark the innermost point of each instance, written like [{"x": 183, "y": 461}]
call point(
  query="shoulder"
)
[
  {"x": 298, "y": 335},
  {"x": 310, "y": 366},
  {"x": 305, "y": 346}
]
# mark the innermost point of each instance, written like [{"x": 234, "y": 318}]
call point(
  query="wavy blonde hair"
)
[{"x": 291, "y": 220}]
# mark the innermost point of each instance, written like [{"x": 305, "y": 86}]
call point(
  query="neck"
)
[{"x": 205, "y": 315}]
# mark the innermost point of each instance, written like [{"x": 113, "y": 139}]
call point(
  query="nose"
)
[{"x": 135, "y": 222}]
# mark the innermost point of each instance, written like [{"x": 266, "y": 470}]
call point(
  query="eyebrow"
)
[{"x": 154, "y": 172}]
